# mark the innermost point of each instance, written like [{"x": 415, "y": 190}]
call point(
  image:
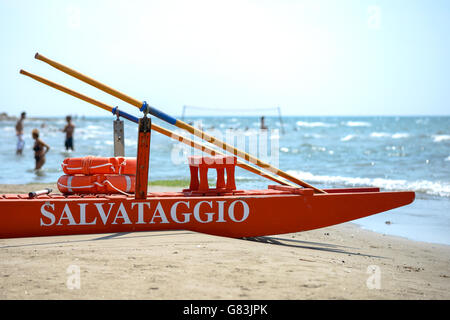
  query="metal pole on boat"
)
[
  {"x": 33, "y": 194},
  {"x": 142, "y": 158},
  {"x": 142, "y": 105},
  {"x": 155, "y": 127},
  {"x": 119, "y": 137}
]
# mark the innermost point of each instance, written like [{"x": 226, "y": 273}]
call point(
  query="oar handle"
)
[
  {"x": 66, "y": 90},
  {"x": 142, "y": 105},
  {"x": 90, "y": 81}
]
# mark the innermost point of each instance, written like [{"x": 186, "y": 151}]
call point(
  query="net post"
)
[{"x": 281, "y": 120}]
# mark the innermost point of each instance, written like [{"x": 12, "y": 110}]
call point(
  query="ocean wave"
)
[
  {"x": 314, "y": 135},
  {"x": 348, "y": 137},
  {"x": 314, "y": 124},
  {"x": 318, "y": 148},
  {"x": 88, "y": 136},
  {"x": 94, "y": 127},
  {"x": 447, "y": 159},
  {"x": 379, "y": 135},
  {"x": 8, "y": 129},
  {"x": 398, "y": 135},
  {"x": 441, "y": 189},
  {"x": 441, "y": 137},
  {"x": 422, "y": 121},
  {"x": 357, "y": 124},
  {"x": 130, "y": 142}
]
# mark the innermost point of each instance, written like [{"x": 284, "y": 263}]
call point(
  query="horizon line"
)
[{"x": 239, "y": 116}]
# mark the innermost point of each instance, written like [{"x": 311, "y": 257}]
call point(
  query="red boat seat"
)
[{"x": 199, "y": 165}]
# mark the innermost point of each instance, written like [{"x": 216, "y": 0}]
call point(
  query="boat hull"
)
[{"x": 245, "y": 214}]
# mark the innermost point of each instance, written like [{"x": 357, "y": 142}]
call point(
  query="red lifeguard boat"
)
[
  {"x": 291, "y": 206},
  {"x": 223, "y": 210}
]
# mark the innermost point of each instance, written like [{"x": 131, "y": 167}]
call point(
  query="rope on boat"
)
[
  {"x": 127, "y": 178},
  {"x": 90, "y": 167}
]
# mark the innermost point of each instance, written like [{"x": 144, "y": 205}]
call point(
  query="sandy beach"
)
[{"x": 339, "y": 262}]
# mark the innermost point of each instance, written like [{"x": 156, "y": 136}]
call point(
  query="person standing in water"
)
[
  {"x": 69, "y": 129},
  {"x": 263, "y": 125},
  {"x": 19, "y": 133},
  {"x": 40, "y": 149}
]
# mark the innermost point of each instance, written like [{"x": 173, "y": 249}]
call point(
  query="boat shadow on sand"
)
[
  {"x": 299, "y": 244},
  {"x": 117, "y": 235}
]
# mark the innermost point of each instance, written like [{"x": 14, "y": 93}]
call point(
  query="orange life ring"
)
[
  {"x": 97, "y": 183},
  {"x": 99, "y": 165}
]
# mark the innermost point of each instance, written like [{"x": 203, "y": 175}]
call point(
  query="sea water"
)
[{"x": 392, "y": 153}]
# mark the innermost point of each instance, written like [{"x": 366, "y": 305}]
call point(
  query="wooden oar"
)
[
  {"x": 143, "y": 106},
  {"x": 155, "y": 127}
]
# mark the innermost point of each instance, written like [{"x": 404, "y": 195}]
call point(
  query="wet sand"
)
[{"x": 339, "y": 262}]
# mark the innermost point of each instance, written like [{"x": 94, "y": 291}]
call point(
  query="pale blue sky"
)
[{"x": 309, "y": 57}]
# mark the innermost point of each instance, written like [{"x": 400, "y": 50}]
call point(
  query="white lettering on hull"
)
[
  {"x": 47, "y": 214},
  {"x": 152, "y": 212}
]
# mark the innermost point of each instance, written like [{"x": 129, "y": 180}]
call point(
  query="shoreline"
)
[{"x": 339, "y": 262}]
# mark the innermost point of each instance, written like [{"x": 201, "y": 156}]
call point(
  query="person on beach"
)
[
  {"x": 69, "y": 129},
  {"x": 40, "y": 149},
  {"x": 19, "y": 133},
  {"x": 263, "y": 125}
]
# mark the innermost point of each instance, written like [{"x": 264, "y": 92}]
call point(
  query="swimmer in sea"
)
[
  {"x": 69, "y": 129},
  {"x": 19, "y": 133},
  {"x": 40, "y": 149}
]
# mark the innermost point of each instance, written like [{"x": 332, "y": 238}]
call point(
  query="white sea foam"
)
[
  {"x": 275, "y": 136},
  {"x": 400, "y": 135},
  {"x": 94, "y": 127},
  {"x": 314, "y": 124},
  {"x": 348, "y": 137},
  {"x": 422, "y": 121},
  {"x": 447, "y": 159},
  {"x": 379, "y": 135},
  {"x": 90, "y": 136},
  {"x": 8, "y": 129},
  {"x": 423, "y": 186},
  {"x": 357, "y": 124},
  {"x": 441, "y": 137},
  {"x": 130, "y": 142},
  {"x": 314, "y": 135},
  {"x": 318, "y": 148}
]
